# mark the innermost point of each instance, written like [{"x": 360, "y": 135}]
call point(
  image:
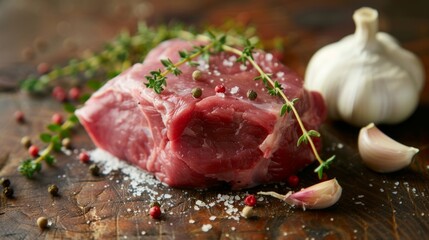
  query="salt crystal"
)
[
  {"x": 192, "y": 221},
  {"x": 234, "y": 90},
  {"x": 232, "y": 58},
  {"x": 196, "y": 208},
  {"x": 280, "y": 74},
  {"x": 143, "y": 232},
  {"x": 206, "y": 227},
  {"x": 340, "y": 145},
  {"x": 212, "y": 218},
  {"x": 381, "y": 190},
  {"x": 216, "y": 73},
  {"x": 268, "y": 57},
  {"x": 243, "y": 67},
  {"x": 227, "y": 63}
]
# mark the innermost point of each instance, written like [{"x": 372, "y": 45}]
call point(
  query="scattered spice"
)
[
  {"x": 220, "y": 88},
  {"x": 57, "y": 118},
  {"x": 42, "y": 222},
  {"x": 59, "y": 94},
  {"x": 8, "y": 192},
  {"x": 293, "y": 181},
  {"x": 94, "y": 169},
  {"x": 74, "y": 93},
  {"x": 250, "y": 200},
  {"x": 247, "y": 212},
  {"x": 252, "y": 95},
  {"x": 155, "y": 212},
  {"x": 19, "y": 116},
  {"x": 5, "y": 182},
  {"x": 26, "y": 141},
  {"x": 66, "y": 142},
  {"x": 84, "y": 157},
  {"x": 196, "y": 92},
  {"x": 196, "y": 75},
  {"x": 53, "y": 190},
  {"x": 33, "y": 150}
]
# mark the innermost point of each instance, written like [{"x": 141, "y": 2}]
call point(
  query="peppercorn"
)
[
  {"x": 59, "y": 94},
  {"x": 252, "y": 95},
  {"x": 66, "y": 142},
  {"x": 19, "y": 116},
  {"x": 5, "y": 182},
  {"x": 8, "y": 192},
  {"x": 43, "y": 68},
  {"x": 196, "y": 92},
  {"x": 155, "y": 212},
  {"x": 57, "y": 118},
  {"x": 42, "y": 222},
  {"x": 53, "y": 190},
  {"x": 84, "y": 157},
  {"x": 250, "y": 200},
  {"x": 220, "y": 88},
  {"x": 247, "y": 212},
  {"x": 74, "y": 93},
  {"x": 293, "y": 180},
  {"x": 94, "y": 169},
  {"x": 33, "y": 150},
  {"x": 26, "y": 141},
  {"x": 196, "y": 75}
]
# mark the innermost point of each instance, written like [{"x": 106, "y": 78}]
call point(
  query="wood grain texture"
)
[{"x": 373, "y": 206}]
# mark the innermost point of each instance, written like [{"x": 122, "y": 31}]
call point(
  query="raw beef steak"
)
[{"x": 217, "y": 138}]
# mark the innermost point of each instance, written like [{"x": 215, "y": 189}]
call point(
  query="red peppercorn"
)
[
  {"x": 155, "y": 212},
  {"x": 74, "y": 93},
  {"x": 57, "y": 118},
  {"x": 33, "y": 151},
  {"x": 19, "y": 116},
  {"x": 59, "y": 94},
  {"x": 84, "y": 157},
  {"x": 293, "y": 180},
  {"x": 43, "y": 68},
  {"x": 250, "y": 200},
  {"x": 220, "y": 88}
]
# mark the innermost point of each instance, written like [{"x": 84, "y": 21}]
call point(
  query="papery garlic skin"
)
[
  {"x": 318, "y": 196},
  {"x": 366, "y": 77},
  {"x": 381, "y": 153}
]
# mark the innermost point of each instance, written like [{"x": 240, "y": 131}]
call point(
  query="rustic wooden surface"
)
[{"x": 373, "y": 206}]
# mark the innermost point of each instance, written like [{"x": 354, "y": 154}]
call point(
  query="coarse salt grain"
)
[
  {"x": 206, "y": 227},
  {"x": 234, "y": 90},
  {"x": 191, "y": 221},
  {"x": 280, "y": 74},
  {"x": 212, "y": 218},
  {"x": 268, "y": 57}
]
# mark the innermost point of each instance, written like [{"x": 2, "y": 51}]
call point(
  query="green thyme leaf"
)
[
  {"x": 325, "y": 165},
  {"x": 54, "y": 127},
  {"x": 68, "y": 107},
  {"x": 45, "y": 137}
]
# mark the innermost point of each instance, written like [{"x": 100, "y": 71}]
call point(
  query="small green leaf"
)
[
  {"x": 45, "y": 137},
  {"x": 313, "y": 133},
  {"x": 29, "y": 167},
  {"x": 325, "y": 165},
  {"x": 94, "y": 84},
  {"x": 56, "y": 142},
  {"x": 50, "y": 160},
  {"x": 284, "y": 109},
  {"x": 302, "y": 139},
  {"x": 68, "y": 107},
  {"x": 84, "y": 97},
  {"x": 72, "y": 118},
  {"x": 54, "y": 127}
]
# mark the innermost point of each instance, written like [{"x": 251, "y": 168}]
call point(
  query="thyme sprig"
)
[
  {"x": 53, "y": 138},
  {"x": 216, "y": 44}
]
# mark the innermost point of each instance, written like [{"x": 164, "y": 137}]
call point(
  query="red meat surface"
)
[{"x": 215, "y": 139}]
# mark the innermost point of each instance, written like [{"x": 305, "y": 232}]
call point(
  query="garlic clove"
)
[
  {"x": 319, "y": 196},
  {"x": 381, "y": 153}
]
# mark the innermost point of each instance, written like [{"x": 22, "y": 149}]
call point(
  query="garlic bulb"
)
[
  {"x": 318, "y": 196},
  {"x": 381, "y": 153},
  {"x": 366, "y": 77}
]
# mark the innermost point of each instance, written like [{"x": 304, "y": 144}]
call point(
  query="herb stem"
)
[{"x": 295, "y": 112}]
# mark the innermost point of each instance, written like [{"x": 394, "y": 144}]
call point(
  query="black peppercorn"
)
[
  {"x": 252, "y": 95},
  {"x": 53, "y": 190},
  {"x": 94, "y": 169},
  {"x": 5, "y": 182},
  {"x": 196, "y": 92},
  {"x": 42, "y": 222},
  {"x": 8, "y": 192}
]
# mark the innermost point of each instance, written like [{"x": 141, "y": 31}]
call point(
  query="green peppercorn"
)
[
  {"x": 42, "y": 222},
  {"x": 5, "y": 182},
  {"x": 66, "y": 142},
  {"x": 196, "y": 92},
  {"x": 94, "y": 169},
  {"x": 8, "y": 192},
  {"x": 53, "y": 190},
  {"x": 26, "y": 141},
  {"x": 252, "y": 95},
  {"x": 196, "y": 75}
]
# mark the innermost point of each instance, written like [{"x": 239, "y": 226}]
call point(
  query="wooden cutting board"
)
[{"x": 372, "y": 206}]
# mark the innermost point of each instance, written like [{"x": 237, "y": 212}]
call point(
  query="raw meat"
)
[{"x": 216, "y": 139}]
